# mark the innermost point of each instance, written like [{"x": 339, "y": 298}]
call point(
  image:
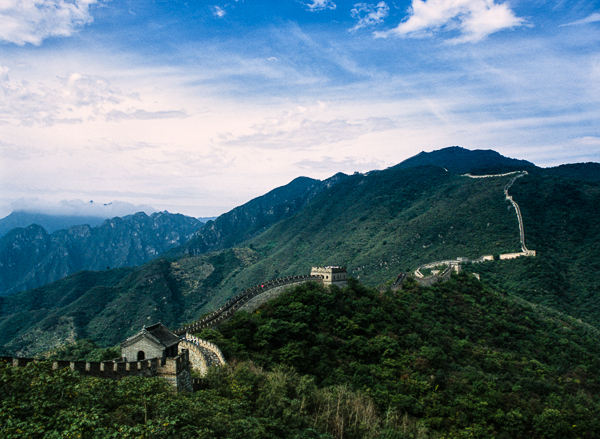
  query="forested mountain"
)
[
  {"x": 107, "y": 306},
  {"x": 377, "y": 224},
  {"x": 31, "y": 257},
  {"x": 461, "y": 161},
  {"x": 254, "y": 217}
]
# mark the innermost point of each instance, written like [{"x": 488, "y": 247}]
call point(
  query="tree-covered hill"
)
[
  {"x": 459, "y": 357},
  {"x": 111, "y": 305},
  {"x": 461, "y": 161},
  {"x": 377, "y": 224},
  {"x": 457, "y": 360},
  {"x": 391, "y": 221},
  {"x": 256, "y": 216}
]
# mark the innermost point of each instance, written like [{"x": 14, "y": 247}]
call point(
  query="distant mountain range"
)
[
  {"x": 50, "y": 223},
  {"x": 378, "y": 224},
  {"x": 31, "y": 257}
]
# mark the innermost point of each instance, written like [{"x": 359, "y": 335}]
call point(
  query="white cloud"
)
[
  {"x": 595, "y": 17},
  {"x": 368, "y": 14},
  {"x": 218, "y": 11},
  {"x": 473, "y": 19},
  {"x": 74, "y": 98},
  {"x": 31, "y": 21},
  {"x": 319, "y": 5},
  {"x": 79, "y": 207}
]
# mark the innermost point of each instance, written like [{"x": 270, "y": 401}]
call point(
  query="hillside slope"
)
[
  {"x": 257, "y": 215},
  {"x": 378, "y": 225},
  {"x": 455, "y": 361}
]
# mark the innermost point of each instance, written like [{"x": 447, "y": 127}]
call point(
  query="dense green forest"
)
[{"x": 455, "y": 360}]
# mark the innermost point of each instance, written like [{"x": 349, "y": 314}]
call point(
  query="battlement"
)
[{"x": 175, "y": 370}]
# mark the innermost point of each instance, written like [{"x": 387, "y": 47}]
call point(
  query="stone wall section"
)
[
  {"x": 262, "y": 298},
  {"x": 106, "y": 369},
  {"x": 235, "y": 303},
  {"x": 198, "y": 361},
  {"x": 176, "y": 371}
]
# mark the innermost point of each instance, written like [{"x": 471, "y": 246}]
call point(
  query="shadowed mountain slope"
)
[
  {"x": 111, "y": 305},
  {"x": 461, "y": 161}
]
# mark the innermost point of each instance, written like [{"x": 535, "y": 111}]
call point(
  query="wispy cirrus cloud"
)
[
  {"x": 593, "y": 18},
  {"x": 319, "y": 5},
  {"x": 302, "y": 130},
  {"x": 369, "y": 14},
  {"x": 138, "y": 114},
  {"x": 32, "y": 21},
  {"x": 473, "y": 19}
]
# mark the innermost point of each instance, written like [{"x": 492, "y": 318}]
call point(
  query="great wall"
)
[
  {"x": 195, "y": 354},
  {"x": 455, "y": 265}
]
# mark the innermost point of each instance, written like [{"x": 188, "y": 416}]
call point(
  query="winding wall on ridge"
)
[
  {"x": 245, "y": 298},
  {"x": 455, "y": 264}
]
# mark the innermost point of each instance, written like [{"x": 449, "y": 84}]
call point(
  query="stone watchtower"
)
[
  {"x": 331, "y": 275},
  {"x": 155, "y": 341}
]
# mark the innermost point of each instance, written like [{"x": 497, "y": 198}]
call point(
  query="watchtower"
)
[
  {"x": 155, "y": 341},
  {"x": 332, "y": 275}
]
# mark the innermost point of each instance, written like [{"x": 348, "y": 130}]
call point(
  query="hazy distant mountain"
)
[
  {"x": 49, "y": 222},
  {"x": 30, "y": 257}
]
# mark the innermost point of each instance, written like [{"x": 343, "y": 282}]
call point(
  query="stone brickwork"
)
[
  {"x": 155, "y": 341},
  {"x": 272, "y": 293},
  {"x": 148, "y": 347},
  {"x": 197, "y": 359},
  {"x": 177, "y": 372},
  {"x": 105, "y": 369}
]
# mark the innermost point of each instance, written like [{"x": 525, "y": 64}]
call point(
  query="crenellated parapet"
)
[
  {"x": 218, "y": 358},
  {"x": 104, "y": 369},
  {"x": 175, "y": 370}
]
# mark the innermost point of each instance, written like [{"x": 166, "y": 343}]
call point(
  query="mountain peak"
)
[{"x": 461, "y": 160}]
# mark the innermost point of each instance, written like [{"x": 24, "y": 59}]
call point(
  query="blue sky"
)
[{"x": 197, "y": 107}]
